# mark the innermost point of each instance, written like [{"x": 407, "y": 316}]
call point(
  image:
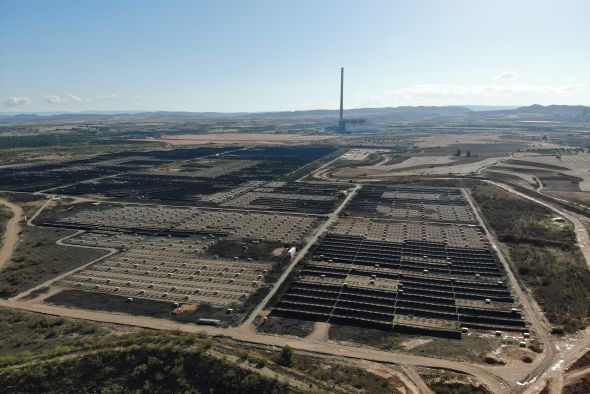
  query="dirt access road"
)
[
  {"x": 495, "y": 378},
  {"x": 582, "y": 236},
  {"x": 532, "y": 313},
  {"x": 10, "y": 238},
  {"x": 243, "y": 333},
  {"x": 484, "y": 373},
  {"x": 302, "y": 253}
]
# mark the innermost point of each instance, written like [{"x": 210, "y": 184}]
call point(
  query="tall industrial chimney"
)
[{"x": 341, "y": 124}]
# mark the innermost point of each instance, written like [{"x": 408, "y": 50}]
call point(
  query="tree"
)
[
  {"x": 458, "y": 153},
  {"x": 468, "y": 153},
  {"x": 287, "y": 356}
]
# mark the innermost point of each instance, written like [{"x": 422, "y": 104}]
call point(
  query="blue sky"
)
[{"x": 285, "y": 55}]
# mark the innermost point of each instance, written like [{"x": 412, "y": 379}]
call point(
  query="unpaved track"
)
[
  {"x": 495, "y": 378},
  {"x": 582, "y": 236},
  {"x": 481, "y": 372},
  {"x": 554, "y": 363},
  {"x": 302, "y": 253},
  {"x": 320, "y": 333},
  {"x": 108, "y": 252},
  {"x": 10, "y": 238},
  {"x": 311, "y": 174},
  {"x": 527, "y": 304},
  {"x": 417, "y": 379}
]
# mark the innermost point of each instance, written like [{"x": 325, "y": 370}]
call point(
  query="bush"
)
[{"x": 287, "y": 354}]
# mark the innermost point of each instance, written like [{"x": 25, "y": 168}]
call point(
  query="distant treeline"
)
[{"x": 39, "y": 141}]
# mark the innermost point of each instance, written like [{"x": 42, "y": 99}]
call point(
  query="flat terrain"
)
[
  {"x": 413, "y": 277},
  {"x": 238, "y": 138},
  {"x": 38, "y": 258},
  {"x": 375, "y": 271},
  {"x": 10, "y": 229}
]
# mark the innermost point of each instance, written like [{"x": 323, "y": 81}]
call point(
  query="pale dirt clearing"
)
[
  {"x": 443, "y": 140},
  {"x": 361, "y": 154},
  {"x": 10, "y": 237},
  {"x": 238, "y": 138},
  {"x": 415, "y": 161},
  {"x": 488, "y": 376},
  {"x": 320, "y": 332},
  {"x": 442, "y": 168},
  {"x": 412, "y": 343},
  {"x": 578, "y": 165}
]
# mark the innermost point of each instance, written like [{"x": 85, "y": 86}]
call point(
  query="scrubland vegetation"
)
[
  {"x": 449, "y": 383},
  {"x": 38, "y": 258},
  {"x": 543, "y": 252},
  {"x": 5, "y": 215},
  {"x": 49, "y": 354}
]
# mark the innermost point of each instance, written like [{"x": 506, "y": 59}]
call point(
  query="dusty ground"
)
[
  {"x": 425, "y": 165},
  {"x": 360, "y": 154},
  {"x": 442, "y": 140},
  {"x": 412, "y": 343},
  {"x": 320, "y": 332},
  {"x": 415, "y": 161},
  {"x": 10, "y": 236},
  {"x": 576, "y": 165},
  {"x": 238, "y": 138}
]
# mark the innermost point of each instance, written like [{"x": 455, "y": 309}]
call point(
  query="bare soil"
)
[
  {"x": 238, "y": 138},
  {"x": 284, "y": 326},
  {"x": 37, "y": 258}
]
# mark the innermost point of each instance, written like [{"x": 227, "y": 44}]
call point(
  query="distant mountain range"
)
[{"x": 551, "y": 113}]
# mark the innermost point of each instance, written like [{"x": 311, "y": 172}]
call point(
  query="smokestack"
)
[{"x": 341, "y": 95}]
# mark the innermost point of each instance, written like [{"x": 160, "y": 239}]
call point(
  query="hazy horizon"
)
[{"x": 475, "y": 108}]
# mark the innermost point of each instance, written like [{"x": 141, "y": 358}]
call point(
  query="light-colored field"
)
[
  {"x": 415, "y": 161},
  {"x": 238, "y": 138},
  {"x": 442, "y": 165},
  {"x": 441, "y": 140},
  {"x": 577, "y": 165},
  {"x": 360, "y": 154}
]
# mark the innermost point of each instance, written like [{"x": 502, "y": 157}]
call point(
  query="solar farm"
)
[
  {"x": 208, "y": 227},
  {"x": 416, "y": 276},
  {"x": 227, "y": 259},
  {"x": 218, "y": 227}
]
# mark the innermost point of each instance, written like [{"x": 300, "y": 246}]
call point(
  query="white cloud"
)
[
  {"x": 16, "y": 101},
  {"x": 53, "y": 99},
  {"x": 67, "y": 98},
  {"x": 107, "y": 96},
  {"x": 452, "y": 94},
  {"x": 506, "y": 75},
  {"x": 76, "y": 99}
]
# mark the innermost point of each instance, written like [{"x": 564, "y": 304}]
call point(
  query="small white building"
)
[{"x": 292, "y": 251}]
